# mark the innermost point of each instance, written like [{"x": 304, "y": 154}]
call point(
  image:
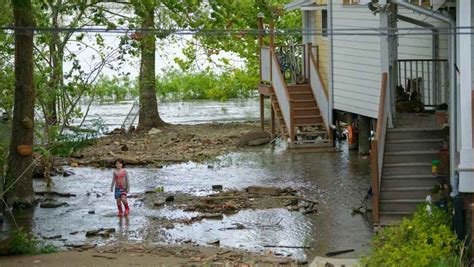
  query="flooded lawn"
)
[
  {"x": 339, "y": 180},
  {"x": 183, "y": 112}
]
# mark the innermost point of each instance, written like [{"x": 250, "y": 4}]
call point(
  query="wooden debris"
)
[{"x": 335, "y": 253}]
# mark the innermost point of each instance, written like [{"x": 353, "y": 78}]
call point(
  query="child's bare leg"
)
[
  {"x": 119, "y": 207},
  {"x": 125, "y": 204}
]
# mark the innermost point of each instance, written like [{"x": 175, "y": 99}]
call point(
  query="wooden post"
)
[
  {"x": 272, "y": 34},
  {"x": 262, "y": 112},
  {"x": 260, "y": 42},
  {"x": 308, "y": 61},
  {"x": 272, "y": 121},
  {"x": 374, "y": 171},
  {"x": 363, "y": 134}
]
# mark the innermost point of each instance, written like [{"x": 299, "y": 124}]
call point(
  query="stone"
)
[
  {"x": 255, "y": 137},
  {"x": 169, "y": 198},
  {"x": 154, "y": 131},
  {"x": 213, "y": 242},
  {"x": 92, "y": 233},
  {"x": 159, "y": 203},
  {"x": 67, "y": 173},
  {"x": 212, "y": 216},
  {"x": 52, "y": 237},
  {"x": 74, "y": 233},
  {"x": 260, "y": 190},
  {"x": 91, "y": 212},
  {"x": 53, "y": 205},
  {"x": 217, "y": 187},
  {"x": 260, "y": 141}
]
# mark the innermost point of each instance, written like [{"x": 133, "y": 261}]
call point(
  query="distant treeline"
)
[{"x": 177, "y": 85}]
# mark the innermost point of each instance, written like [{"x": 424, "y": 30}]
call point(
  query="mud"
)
[{"x": 168, "y": 145}]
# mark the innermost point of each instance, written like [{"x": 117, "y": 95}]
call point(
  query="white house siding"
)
[
  {"x": 420, "y": 47},
  {"x": 357, "y": 67}
]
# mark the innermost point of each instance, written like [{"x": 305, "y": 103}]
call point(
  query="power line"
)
[{"x": 242, "y": 32}]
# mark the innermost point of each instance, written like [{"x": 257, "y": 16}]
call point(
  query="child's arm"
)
[
  {"x": 112, "y": 185},
  {"x": 127, "y": 184}
]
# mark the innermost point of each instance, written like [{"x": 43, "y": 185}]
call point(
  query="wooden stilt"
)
[
  {"x": 262, "y": 112},
  {"x": 272, "y": 121}
]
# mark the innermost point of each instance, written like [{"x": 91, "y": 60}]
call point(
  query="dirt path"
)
[
  {"x": 144, "y": 255},
  {"x": 167, "y": 145}
]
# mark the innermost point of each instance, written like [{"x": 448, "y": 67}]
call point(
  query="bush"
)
[
  {"x": 24, "y": 244},
  {"x": 424, "y": 240}
]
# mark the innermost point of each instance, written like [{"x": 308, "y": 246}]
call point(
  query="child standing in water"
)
[{"x": 120, "y": 181}]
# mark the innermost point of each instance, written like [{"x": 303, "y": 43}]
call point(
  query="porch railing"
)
[
  {"x": 378, "y": 148},
  {"x": 271, "y": 73},
  {"x": 292, "y": 62},
  {"x": 320, "y": 90},
  {"x": 426, "y": 79}
]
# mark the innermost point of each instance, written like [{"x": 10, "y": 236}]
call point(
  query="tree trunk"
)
[
  {"x": 148, "y": 115},
  {"x": 19, "y": 168},
  {"x": 51, "y": 116}
]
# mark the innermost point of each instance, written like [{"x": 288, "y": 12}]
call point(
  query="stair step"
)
[
  {"x": 308, "y": 120},
  {"x": 404, "y": 192},
  {"x": 311, "y": 145},
  {"x": 423, "y": 180},
  {"x": 415, "y": 133},
  {"x": 413, "y": 144},
  {"x": 307, "y": 103},
  {"x": 302, "y": 95},
  {"x": 405, "y": 205},
  {"x": 298, "y": 88},
  {"x": 411, "y": 156},
  {"x": 311, "y": 133},
  {"x": 406, "y": 168},
  {"x": 393, "y": 217}
]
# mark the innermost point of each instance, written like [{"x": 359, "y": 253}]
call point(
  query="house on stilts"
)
[{"x": 396, "y": 64}]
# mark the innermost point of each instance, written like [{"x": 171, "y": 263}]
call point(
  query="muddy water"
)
[
  {"x": 183, "y": 112},
  {"x": 339, "y": 180}
]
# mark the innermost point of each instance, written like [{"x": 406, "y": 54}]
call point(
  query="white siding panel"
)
[
  {"x": 356, "y": 59},
  {"x": 420, "y": 46},
  {"x": 369, "y": 100},
  {"x": 361, "y": 67}
]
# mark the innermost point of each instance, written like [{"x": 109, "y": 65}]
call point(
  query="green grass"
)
[{"x": 5, "y": 134}]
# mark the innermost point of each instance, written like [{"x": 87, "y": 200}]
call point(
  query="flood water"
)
[
  {"x": 339, "y": 180},
  {"x": 183, "y": 112}
]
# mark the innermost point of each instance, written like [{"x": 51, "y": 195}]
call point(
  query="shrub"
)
[
  {"x": 24, "y": 244},
  {"x": 424, "y": 240}
]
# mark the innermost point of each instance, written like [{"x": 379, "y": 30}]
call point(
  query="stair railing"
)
[
  {"x": 270, "y": 71},
  {"x": 378, "y": 149},
  {"x": 283, "y": 97},
  {"x": 318, "y": 87}
]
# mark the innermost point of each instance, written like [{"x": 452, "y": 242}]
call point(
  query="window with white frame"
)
[{"x": 324, "y": 23}]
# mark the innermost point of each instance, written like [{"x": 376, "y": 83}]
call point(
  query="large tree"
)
[
  {"x": 148, "y": 115},
  {"x": 19, "y": 177}
]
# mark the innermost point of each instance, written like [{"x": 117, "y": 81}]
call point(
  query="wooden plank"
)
[
  {"x": 265, "y": 89},
  {"x": 374, "y": 182}
]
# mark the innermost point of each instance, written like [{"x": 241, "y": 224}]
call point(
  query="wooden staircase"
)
[
  {"x": 406, "y": 172},
  {"x": 310, "y": 130}
]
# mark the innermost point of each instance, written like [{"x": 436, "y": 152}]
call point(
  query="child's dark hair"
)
[{"x": 121, "y": 161}]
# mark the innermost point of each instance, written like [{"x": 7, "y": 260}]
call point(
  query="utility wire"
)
[{"x": 375, "y": 31}]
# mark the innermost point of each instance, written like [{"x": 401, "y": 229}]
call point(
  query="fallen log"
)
[
  {"x": 297, "y": 198},
  {"x": 280, "y": 246},
  {"x": 335, "y": 253},
  {"x": 53, "y": 193}
]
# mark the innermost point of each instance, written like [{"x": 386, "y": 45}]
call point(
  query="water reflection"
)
[{"x": 339, "y": 180}]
